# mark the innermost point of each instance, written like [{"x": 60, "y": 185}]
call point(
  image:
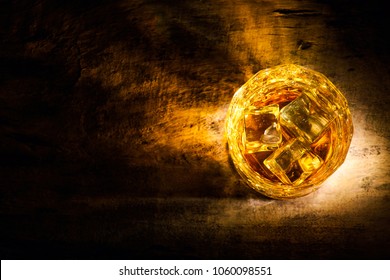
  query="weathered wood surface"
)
[{"x": 111, "y": 129}]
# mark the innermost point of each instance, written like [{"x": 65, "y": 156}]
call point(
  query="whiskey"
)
[{"x": 288, "y": 129}]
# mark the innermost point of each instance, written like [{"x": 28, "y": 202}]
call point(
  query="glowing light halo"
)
[{"x": 322, "y": 136}]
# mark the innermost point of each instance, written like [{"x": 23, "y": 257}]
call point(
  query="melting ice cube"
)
[
  {"x": 262, "y": 130},
  {"x": 293, "y": 162},
  {"x": 305, "y": 118}
]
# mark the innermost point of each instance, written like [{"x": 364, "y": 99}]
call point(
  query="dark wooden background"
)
[{"x": 112, "y": 129}]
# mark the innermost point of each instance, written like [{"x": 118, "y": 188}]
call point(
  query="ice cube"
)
[
  {"x": 262, "y": 130},
  {"x": 306, "y": 119},
  {"x": 293, "y": 162}
]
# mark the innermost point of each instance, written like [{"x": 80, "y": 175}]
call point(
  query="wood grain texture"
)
[{"x": 112, "y": 129}]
